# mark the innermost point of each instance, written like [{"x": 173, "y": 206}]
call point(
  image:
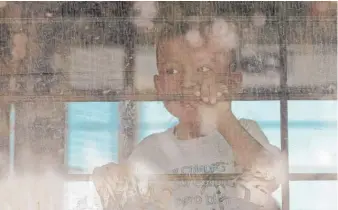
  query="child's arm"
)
[
  {"x": 262, "y": 162},
  {"x": 126, "y": 186},
  {"x": 253, "y": 151}
]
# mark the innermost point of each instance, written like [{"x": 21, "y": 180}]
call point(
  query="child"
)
[{"x": 208, "y": 138}]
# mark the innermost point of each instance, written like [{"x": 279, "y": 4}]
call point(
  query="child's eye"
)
[
  {"x": 233, "y": 66},
  {"x": 171, "y": 71},
  {"x": 203, "y": 69}
]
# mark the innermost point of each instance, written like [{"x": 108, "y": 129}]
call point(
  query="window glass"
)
[
  {"x": 313, "y": 195},
  {"x": 153, "y": 118},
  {"x": 265, "y": 113},
  {"x": 312, "y": 136},
  {"x": 92, "y": 135}
]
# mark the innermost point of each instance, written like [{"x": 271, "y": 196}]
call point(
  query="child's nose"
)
[
  {"x": 189, "y": 78},
  {"x": 188, "y": 81}
]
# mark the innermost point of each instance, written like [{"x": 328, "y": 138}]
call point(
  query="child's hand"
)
[
  {"x": 112, "y": 182},
  {"x": 212, "y": 92},
  {"x": 214, "y": 100}
]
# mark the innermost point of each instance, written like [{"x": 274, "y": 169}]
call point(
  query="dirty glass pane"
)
[
  {"x": 312, "y": 50},
  {"x": 312, "y": 136},
  {"x": 89, "y": 54}
]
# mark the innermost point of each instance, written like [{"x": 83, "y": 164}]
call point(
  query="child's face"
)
[{"x": 180, "y": 64}]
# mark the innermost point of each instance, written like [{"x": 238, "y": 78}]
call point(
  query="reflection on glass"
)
[
  {"x": 313, "y": 195},
  {"x": 81, "y": 195},
  {"x": 92, "y": 135},
  {"x": 312, "y": 136}
]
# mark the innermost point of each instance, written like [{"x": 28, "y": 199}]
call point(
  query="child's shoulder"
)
[
  {"x": 253, "y": 128},
  {"x": 250, "y": 126},
  {"x": 154, "y": 139},
  {"x": 150, "y": 143},
  {"x": 248, "y": 122}
]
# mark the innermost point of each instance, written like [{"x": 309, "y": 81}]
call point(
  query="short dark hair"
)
[
  {"x": 171, "y": 30},
  {"x": 178, "y": 17}
]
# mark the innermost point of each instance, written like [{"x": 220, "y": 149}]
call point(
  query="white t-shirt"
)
[{"x": 163, "y": 153}]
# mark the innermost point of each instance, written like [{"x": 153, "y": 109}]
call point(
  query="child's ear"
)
[{"x": 157, "y": 83}]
